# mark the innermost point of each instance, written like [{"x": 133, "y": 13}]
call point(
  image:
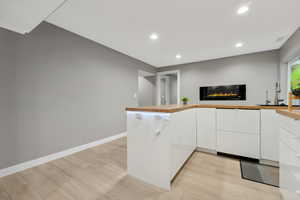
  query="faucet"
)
[
  {"x": 267, "y": 98},
  {"x": 277, "y": 92}
]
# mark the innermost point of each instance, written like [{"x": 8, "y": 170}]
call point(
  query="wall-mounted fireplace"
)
[{"x": 224, "y": 92}]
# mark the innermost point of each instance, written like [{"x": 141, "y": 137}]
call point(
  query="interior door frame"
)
[{"x": 164, "y": 73}]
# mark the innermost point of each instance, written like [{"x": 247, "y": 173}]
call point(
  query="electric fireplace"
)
[{"x": 224, "y": 92}]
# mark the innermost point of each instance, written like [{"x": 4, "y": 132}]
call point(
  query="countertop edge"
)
[
  {"x": 290, "y": 114},
  {"x": 178, "y": 108}
]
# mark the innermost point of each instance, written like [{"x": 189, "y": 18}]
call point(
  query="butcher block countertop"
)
[
  {"x": 177, "y": 108},
  {"x": 295, "y": 114}
]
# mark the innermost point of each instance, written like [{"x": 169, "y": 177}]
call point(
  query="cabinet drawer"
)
[
  {"x": 289, "y": 172},
  {"x": 291, "y": 140},
  {"x": 241, "y": 144},
  {"x": 289, "y": 148},
  {"x": 289, "y": 185},
  {"x": 236, "y": 120},
  {"x": 289, "y": 159},
  {"x": 291, "y": 125}
]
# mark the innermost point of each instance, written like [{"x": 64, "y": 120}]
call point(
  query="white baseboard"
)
[{"x": 45, "y": 159}]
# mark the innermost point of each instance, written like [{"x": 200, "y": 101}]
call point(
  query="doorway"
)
[
  {"x": 146, "y": 89},
  {"x": 168, "y": 87}
]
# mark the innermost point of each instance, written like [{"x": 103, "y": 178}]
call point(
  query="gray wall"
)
[
  {"x": 59, "y": 90},
  {"x": 289, "y": 51},
  {"x": 146, "y": 92},
  {"x": 8, "y": 141},
  {"x": 258, "y": 71}
]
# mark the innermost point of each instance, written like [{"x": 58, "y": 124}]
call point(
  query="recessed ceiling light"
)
[
  {"x": 242, "y": 10},
  {"x": 239, "y": 45},
  {"x": 153, "y": 36},
  {"x": 178, "y": 56}
]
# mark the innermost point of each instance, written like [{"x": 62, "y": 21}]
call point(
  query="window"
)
[{"x": 292, "y": 65}]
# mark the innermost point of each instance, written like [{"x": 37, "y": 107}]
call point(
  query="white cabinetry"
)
[
  {"x": 182, "y": 131},
  {"x": 238, "y": 132},
  {"x": 289, "y": 158},
  {"x": 269, "y": 135},
  {"x": 206, "y": 128},
  {"x": 158, "y": 144}
]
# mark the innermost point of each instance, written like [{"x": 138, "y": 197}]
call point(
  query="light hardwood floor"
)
[{"x": 100, "y": 174}]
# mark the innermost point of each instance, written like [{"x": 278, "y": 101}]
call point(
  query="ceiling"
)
[
  {"x": 22, "y": 16},
  {"x": 197, "y": 29}
]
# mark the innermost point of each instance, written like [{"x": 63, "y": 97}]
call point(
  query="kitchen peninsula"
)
[{"x": 162, "y": 138}]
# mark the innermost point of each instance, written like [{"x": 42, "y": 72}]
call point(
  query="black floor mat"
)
[{"x": 260, "y": 173}]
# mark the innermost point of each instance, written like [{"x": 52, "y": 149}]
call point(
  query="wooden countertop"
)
[
  {"x": 177, "y": 108},
  {"x": 164, "y": 109},
  {"x": 295, "y": 114}
]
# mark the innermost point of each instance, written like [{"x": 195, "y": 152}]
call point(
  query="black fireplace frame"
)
[{"x": 240, "y": 90}]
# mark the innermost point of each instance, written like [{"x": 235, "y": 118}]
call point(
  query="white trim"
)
[
  {"x": 45, "y": 159},
  {"x": 160, "y": 74},
  {"x": 178, "y": 87},
  {"x": 168, "y": 72},
  {"x": 145, "y": 73}
]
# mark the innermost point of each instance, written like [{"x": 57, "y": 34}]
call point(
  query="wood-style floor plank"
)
[
  {"x": 39, "y": 182},
  {"x": 3, "y": 193},
  {"x": 100, "y": 173},
  {"x": 17, "y": 188}
]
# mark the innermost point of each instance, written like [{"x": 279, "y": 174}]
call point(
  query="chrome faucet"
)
[{"x": 277, "y": 92}]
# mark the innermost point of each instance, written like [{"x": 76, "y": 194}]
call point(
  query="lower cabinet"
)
[
  {"x": 182, "y": 131},
  {"x": 289, "y": 158},
  {"x": 206, "y": 128},
  {"x": 158, "y": 144},
  {"x": 241, "y": 144},
  {"x": 269, "y": 135},
  {"x": 238, "y": 132}
]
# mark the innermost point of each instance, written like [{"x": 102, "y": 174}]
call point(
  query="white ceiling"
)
[
  {"x": 22, "y": 16},
  {"x": 197, "y": 29}
]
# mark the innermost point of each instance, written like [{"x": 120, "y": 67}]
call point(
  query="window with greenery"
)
[{"x": 294, "y": 77}]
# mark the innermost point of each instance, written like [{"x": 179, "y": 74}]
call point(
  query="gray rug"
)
[{"x": 260, "y": 173}]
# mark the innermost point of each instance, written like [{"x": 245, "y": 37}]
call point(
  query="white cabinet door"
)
[
  {"x": 206, "y": 128},
  {"x": 237, "y": 120},
  {"x": 269, "y": 135},
  {"x": 182, "y": 131},
  {"x": 289, "y": 165},
  {"x": 241, "y": 144},
  {"x": 227, "y": 119},
  {"x": 238, "y": 132},
  {"x": 148, "y": 154}
]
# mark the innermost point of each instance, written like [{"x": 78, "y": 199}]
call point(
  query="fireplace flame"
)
[{"x": 223, "y": 95}]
